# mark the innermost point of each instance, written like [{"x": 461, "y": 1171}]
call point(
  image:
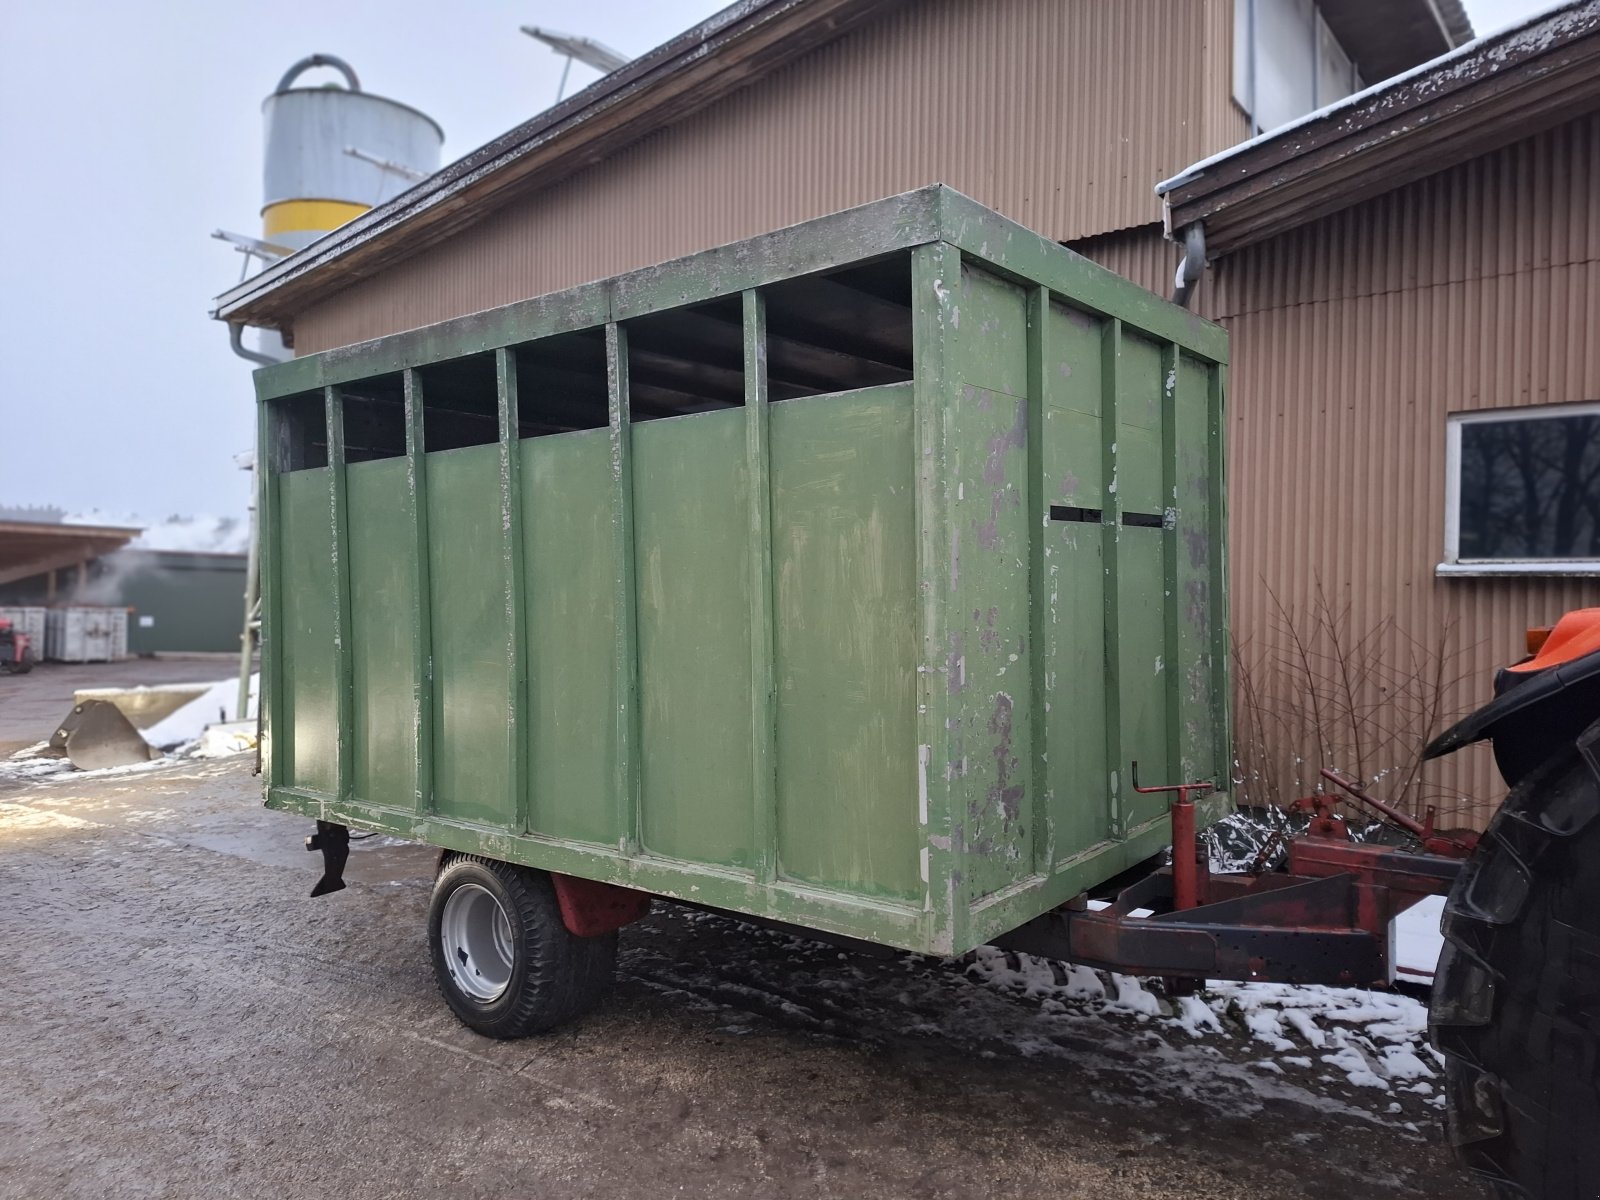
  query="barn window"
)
[{"x": 1523, "y": 491}]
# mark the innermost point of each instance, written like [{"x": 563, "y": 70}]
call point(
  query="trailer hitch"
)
[
  {"x": 1186, "y": 860},
  {"x": 1324, "y": 919},
  {"x": 334, "y": 841}
]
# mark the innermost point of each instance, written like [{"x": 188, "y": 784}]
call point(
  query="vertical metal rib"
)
[
  {"x": 1111, "y": 534},
  {"x": 339, "y": 517},
  {"x": 1172, "y": 672},
  {"x": 422, "y": 611},
  {"x": 517, "y": 728},
  {"x": 763, "y": 714},
  {"x": 1038, "y": 584},
  {"x": 625, "y": 595}
]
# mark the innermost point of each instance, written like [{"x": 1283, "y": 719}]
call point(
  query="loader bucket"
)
[{"x": 96, "y": 735}]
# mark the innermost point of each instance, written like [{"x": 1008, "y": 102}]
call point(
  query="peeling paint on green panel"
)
[
  {"x": 1193, "y": 554},
  {"x": 1072, "y": 383},
  {"x": 1138, "y": 430},
  {"x": 935, "y": 270},
  {"x": 306, "y": 631},
  {"x": 763, "y": 694},
  {"x": 383, "y": 582},
  {"x": 571, "y": 629},
  {"x": 1142, "y": 630},
  {"x": 512, "y": 589},
  {"x": 1117, "y": 787},
  {"x": 1074, "y": 670},
  {"x": 1040, "y": 357},
  {"x": 845, "y": 613},
  {"x": 625, "y": 639},
  {"x": 874, "y": 662},
  {"x": 691, "y": 515},
  {"x": 990, "y": 696},
  {"x": 471, "y": 674},
  {"x": 421, "y": 717}
]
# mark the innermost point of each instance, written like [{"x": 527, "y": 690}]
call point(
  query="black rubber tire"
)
[
  {"x": 1516, "y": 1001},
  {"x": 555, "y": 976}
]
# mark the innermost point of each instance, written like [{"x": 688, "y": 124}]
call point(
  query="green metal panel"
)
[
  {"x": 989, "y": 689},
  {"x": 305, "y": 632},
  {"x": 571, "y": 622},
  {"x": 1141, "y": 628},
  {"x": 1074, "y": 666},
  {"x": 1139, "y": 420},
  {"x": 763, "y": 694},
  {"x": 383, "y": 590},
  {"x": 625, "y": 631},
  {"x": 1072, "y": 383},
  {"x": 1196, "y": 550},
  {"x": 874, "y": 661},
  {"x": 471, "y": 675},
  {"x": 845, "y": 619},
  {"x": 691, "y": 522},
  {"x": 416, "y": 505}
]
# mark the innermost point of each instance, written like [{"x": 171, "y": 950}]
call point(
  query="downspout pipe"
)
[
  {"x": 236, "y": 340},
  {"x": 1191, "y": 266}
]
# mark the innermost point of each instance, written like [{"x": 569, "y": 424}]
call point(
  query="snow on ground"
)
[
  {"x": 217, "y": 704},
  {"x": 1247, "y": 1049},
  {"x": 1372, "y": 1040},
  {"x": 181, "y": 735}
]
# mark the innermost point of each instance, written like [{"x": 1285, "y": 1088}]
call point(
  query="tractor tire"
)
[
  {"x": 1516, "y": 1001},
  {"x": 504, "y": 961}
]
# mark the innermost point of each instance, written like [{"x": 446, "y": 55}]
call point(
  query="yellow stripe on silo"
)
[{"x": 294, "y": 216}]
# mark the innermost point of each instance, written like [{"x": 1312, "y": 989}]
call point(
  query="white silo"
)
[{"x": 331, "y": 153}]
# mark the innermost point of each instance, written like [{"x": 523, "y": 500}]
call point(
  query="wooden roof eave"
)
[{"x": 720, "y": 56}]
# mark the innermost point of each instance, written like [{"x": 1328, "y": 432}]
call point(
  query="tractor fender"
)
[{"x": 1540, "y": 704}]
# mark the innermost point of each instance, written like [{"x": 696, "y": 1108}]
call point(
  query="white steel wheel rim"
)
[{"x": 478, "y": 946}]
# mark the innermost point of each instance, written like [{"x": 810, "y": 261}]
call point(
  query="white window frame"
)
[{"x": 1453, "y": 563}]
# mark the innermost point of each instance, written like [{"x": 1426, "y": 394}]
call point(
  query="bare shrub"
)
[{"x": 1316, "y": 691}]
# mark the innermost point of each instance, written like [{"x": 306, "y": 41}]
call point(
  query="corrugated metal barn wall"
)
[
  {"x": 1353, "y": 339},
  {"x": 1058, "y": 113}
]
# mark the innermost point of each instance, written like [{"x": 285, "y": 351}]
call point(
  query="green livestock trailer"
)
[{"x": 836, "y": 578}]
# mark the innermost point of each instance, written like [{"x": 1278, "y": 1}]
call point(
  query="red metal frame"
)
[
  {"x": 1324, "y": 919},
  {"x": 590, "y": 908}
]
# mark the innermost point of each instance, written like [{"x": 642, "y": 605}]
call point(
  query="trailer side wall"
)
[{"x": 657, "y": 599}]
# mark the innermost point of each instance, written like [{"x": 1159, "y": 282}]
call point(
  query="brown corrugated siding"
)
[
  {"x": 1058, "y": 113},
  {"x": 1146, "y": 257},
  {"x": 1353, "y": 339}
]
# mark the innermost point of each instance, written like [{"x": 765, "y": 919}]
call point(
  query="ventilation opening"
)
[
  {"x": 688, "y": 360},
  {"x": 839, "y": 331},
  {"x": 374, "y": 419},
  {"x": 561, "y": 384},
  {"x": 299, "y": 428},
  {"x": 460, "y": 403}
]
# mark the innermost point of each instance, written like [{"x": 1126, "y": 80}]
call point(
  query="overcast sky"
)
[{"x": 128, "y": 132}]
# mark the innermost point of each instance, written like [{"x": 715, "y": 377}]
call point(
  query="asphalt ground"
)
[{"x": 181, "y": 1020}]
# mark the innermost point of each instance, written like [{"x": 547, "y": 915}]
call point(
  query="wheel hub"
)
[{"x": 478, "y": 946}]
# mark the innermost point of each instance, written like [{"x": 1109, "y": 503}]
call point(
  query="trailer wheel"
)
[
  {"x": 506, "y": 964},
  {"x": 1516, "y": 1003}
]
